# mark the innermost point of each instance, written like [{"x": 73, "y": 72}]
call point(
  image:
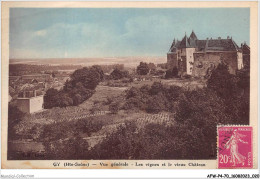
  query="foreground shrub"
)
[
  {"x": 75, "y": 91},
  {"x": 114, "y": 107},
  {"x": 14, "y": 117}
]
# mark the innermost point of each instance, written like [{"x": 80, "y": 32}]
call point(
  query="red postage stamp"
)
[{"x": 235, "y": 147}]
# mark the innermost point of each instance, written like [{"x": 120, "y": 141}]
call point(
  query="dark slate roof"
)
[
  {"x": 222, "y": 45},
  {"x": 245, "y": 49},
  {"x": 192, "y": 42},
  {"x": 201, "y": 44},
  {"x": 192, "y": 39},
  {"x": 193, "y": 36},
  {"x": 175, "y": 44},
  {"x": 205, "y": 45},
  {"x": 185, "y": 42}
]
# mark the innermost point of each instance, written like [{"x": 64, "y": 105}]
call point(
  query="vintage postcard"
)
[{"x": 129, "y": 85}]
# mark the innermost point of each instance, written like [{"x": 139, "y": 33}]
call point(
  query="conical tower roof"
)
[
  {"x": 185, "y": 42},
  {"x": 193, "y": 36},
  {"x": 173, "y": 46},
  {"x": 192, "y": 39}
]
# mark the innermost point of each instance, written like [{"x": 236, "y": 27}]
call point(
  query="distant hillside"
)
[{"x": 127, "y": 61}]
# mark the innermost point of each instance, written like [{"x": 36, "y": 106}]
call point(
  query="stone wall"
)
[
  {"x": 206, "y": 61},
  {"x": 172, "y": 60},
  {"x": 240, "y": 64},
  {"x": 36, "y": 104},
  {"x": 203, "y": 62},
  {"x": 189, "y": 60},
  {"x": 23, "y": 104},
  {"x": 182, "y": 66},
  {"x": 246, "y": 61}
]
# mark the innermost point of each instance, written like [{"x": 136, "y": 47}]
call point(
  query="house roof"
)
[
  {"x": 205, "y": 45},
  {"x": 192, "y": 39},
  {"x": 193, "y": 36},
  {"x": 245, "y": 48}
]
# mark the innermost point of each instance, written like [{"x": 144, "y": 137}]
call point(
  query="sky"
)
[{"x": 117, "y": 32}]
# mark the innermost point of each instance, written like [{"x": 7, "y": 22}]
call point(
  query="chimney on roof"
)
[
  {"x": 219, "y": 38},
  {"x": 227, "y": 37},
  {"x": 211, "y": 38}
]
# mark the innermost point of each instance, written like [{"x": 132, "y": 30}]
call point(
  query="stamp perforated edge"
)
[{"x": 234, "y": 125}]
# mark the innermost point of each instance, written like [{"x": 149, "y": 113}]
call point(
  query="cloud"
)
[
  {"x": 144, "y": 33},
  {"x": 141, "y": 35},
  {"x": 40, "y": 33}
]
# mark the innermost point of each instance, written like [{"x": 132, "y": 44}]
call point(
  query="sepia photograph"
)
[{"x": 130, "y": 83}]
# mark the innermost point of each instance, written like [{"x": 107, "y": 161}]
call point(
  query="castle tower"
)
[{"x": 187, "y": 48}]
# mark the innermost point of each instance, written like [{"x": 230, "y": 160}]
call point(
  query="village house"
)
[
  {"x": 195, "y": 57},
  {"x": 30, "y": 101}
]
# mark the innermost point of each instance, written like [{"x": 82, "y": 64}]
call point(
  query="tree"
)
[
  {"x": 74, "y": 148},
  {"x": 151, "y": 66},
  {"x": 156, "y": 104},
  {"x": 89, "y": 77},
  {"x": 171, "y": 73},
  {"x": 14, "y": 117},
  {"x": 81, "y": 87},
  {"x": 119, "y": 74},
  {"x": 222, "y": 82},
  {"x": 50, "y": 98},
  {"x": 143, "y": 68},
  {"x": 113, "y": 108},
  {"x": 156, "y": 88},
  {"x": 99, "y": 70}
]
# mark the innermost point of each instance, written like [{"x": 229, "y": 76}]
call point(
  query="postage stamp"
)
[{"x": 235, "y": 147}]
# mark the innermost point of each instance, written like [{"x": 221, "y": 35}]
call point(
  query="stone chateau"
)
[{"x": 195, "y": 57}]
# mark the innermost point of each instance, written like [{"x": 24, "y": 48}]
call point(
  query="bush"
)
[
  {"x": 170, "y": 73},
  {"x": 156, "y": 88},
  {"x": 152, "y": 99},
  {"x": 119, "y": 74},
  {"x": 64, "y": 140},
  {"x": 14, "y": 117},
  {"x": 89, "y": 77},
  {"x": 155, "y": 141},
  {"x": 156, "y": 104},
  {"x": 81, "y": 87},
  {"x": 142, "y": 68},
  {"x": 49, "y": 98},
  {"x": 114, "y": 108},
  {"x": 74, "y": 148},
  {"x": 222, "y": 82}
]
